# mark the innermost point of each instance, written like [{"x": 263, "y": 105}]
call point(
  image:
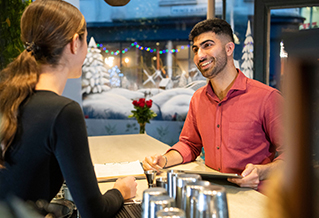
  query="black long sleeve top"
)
[{"x": 51, "y": 146}]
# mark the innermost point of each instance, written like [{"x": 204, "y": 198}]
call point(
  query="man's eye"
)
[
  {"x": 206, "y": 45},
  {"x": 195, "y": 50}
]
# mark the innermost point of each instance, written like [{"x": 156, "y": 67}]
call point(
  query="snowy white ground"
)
[{"x": 116, "y": 103}]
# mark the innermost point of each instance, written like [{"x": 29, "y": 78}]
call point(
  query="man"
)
[{"x": 236, "y": 119}]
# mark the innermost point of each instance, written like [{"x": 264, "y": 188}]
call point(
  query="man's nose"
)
[{"x": 201, "y": 54}]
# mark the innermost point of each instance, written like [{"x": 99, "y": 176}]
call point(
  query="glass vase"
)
[{"x": 142, "y": 128}]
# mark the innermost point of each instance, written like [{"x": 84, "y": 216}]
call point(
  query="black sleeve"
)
[{"x": 72, "y": 153}]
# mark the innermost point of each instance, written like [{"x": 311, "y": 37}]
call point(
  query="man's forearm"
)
[
  {"x": 173, "y": 158},
  {"x": 266, "y": 169}
]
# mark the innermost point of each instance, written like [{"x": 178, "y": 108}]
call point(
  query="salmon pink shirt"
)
[{"x": 245, "y": 127}]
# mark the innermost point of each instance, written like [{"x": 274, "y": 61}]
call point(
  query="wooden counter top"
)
[{"x": 242, "y": 202}]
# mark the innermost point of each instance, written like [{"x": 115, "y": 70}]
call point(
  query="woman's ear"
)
[
  {"x": 229, "y": 48},
  {"x": 75, "y": 43}
]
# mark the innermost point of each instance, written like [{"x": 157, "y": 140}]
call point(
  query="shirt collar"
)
[
  {"x": 240, "y": 82},
  {"x": 239, "y": 87}
]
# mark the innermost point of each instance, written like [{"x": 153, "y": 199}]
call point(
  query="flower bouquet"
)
[{"x": 142, "y": 112}]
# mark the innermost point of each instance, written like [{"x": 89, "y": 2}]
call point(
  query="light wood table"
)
[{"x": 242, "y": 202}]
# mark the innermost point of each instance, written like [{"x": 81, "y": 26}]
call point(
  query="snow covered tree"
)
[
  {"x": 95, "y": 78},
  {"x": 115, "y": 75},
  {"x": 248, "y": 54}
]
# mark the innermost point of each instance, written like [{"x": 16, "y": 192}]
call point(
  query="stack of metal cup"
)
[
  {"x": 147, "y": 194},
  {"x": 171, "y": 212},
  {"x": 159, "y": 203},
  {"x": 171, "y": 182},
  {"x": 190, "y": 199},
  {"x": 184, "y": 195},
  {"x": 181, "y": 182},
  {"x": 212, "y": 202},
  {"x": 161, "y": 182}
]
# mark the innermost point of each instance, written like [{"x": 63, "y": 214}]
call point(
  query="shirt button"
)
[
  {"x": 218, "y": 169},
  {"x": 217, "y": 147},
  {"x": 219, "y": 104},
  {"x": 217, "y": 125}
]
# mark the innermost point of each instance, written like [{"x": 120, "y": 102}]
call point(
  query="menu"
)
[{"x": 112, "y": 171}]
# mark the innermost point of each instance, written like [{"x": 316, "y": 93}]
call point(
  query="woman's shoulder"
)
[
  {"x": 50, "y": 97},
  {"x": 50, "y": 101}
]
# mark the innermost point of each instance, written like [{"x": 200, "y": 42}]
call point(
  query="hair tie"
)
[{"x": 30, "y": 47}]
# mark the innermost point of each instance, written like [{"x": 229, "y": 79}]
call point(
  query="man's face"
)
[{"x": 209, "y": 54}]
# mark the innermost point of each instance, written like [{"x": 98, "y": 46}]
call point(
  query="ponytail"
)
[
  {"x": 17, "y": 83},
  {"x": 46, "y": 28}
]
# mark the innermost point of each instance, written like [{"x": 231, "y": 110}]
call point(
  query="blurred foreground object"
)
[
  {"x": 294, "y": 192},
  {"x": 14, "y": 207}
]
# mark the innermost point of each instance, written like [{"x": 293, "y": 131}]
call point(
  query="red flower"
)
[
  {"x": 135, "y": 103},
  {"x": 149, "y": 103},
  {"x": 141, "y": 102},
  {"x": 142, "y": 111}
]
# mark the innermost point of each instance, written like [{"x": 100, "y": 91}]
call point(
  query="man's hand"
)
[
  {"x": 155, "y": 162},
  {"x": 250, "y": 177},
  {"x": 158, "y": 161},
  {"x": 253, "y": 174}
]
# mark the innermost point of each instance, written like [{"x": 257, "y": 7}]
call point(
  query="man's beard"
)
[{"x": 218, "y": 65}]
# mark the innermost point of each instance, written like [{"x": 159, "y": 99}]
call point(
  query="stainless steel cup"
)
[
  {"x": 171, "y": 182},
  {"x": 147, "y": 194},
  {"x": 160, "y": 202},
  {"x": 181, "y": 181},
  {"x": 190, "y": 197},
  {"x": 212, "y": 202},
  {"x": 170, "y": 212},
  {"x": 161, "y": 182},
  {"x": 150, "y": 177}
]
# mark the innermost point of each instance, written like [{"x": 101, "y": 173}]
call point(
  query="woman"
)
[{"x": 43, "y": 135}]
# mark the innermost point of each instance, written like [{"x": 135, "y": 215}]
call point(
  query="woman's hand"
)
[{"x": 127, "y": 187}]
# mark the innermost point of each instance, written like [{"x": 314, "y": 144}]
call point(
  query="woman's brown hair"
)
[{"x": 47, "y": 26}]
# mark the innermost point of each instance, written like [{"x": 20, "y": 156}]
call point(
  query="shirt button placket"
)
[{"x": 218, "y": 130}]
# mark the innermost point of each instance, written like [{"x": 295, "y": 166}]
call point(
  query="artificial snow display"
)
[
  {"x": 95, "y": 78},
  {"x": 248, "y": 54},
  {"x": 184, "y": 79},
  {"x": 108, "y": 93},
  {"x": 115, "y": 76},
  {"x": 116, "y": 103}
]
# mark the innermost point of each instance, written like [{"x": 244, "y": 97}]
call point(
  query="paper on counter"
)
[{"x": 116, "y": 170}]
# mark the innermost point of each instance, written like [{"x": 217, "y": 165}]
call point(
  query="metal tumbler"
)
[
  {"x": 181, "y": 181},
  {"x": 212, "y": 202},
  {"x": 170, "y": 212},
  {"x": 147, "y": 194},
  {"x": 171, "y": 182},
  {"x": 160, "y": 202},
  {"x": 190, "y": 197},
  {"x": 161, "y": 182}
]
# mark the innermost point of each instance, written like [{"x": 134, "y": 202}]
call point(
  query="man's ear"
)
[
  {"x": 229, "y": 48},
  {"x": 75, "y": 43}
]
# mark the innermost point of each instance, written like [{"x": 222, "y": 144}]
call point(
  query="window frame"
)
[{"x": 262, "y": 32}]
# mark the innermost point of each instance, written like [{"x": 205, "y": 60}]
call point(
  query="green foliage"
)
[{"x": 10, "y": 41}]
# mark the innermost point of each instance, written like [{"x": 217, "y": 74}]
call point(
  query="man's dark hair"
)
[{"x": 216, "y": 25}]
